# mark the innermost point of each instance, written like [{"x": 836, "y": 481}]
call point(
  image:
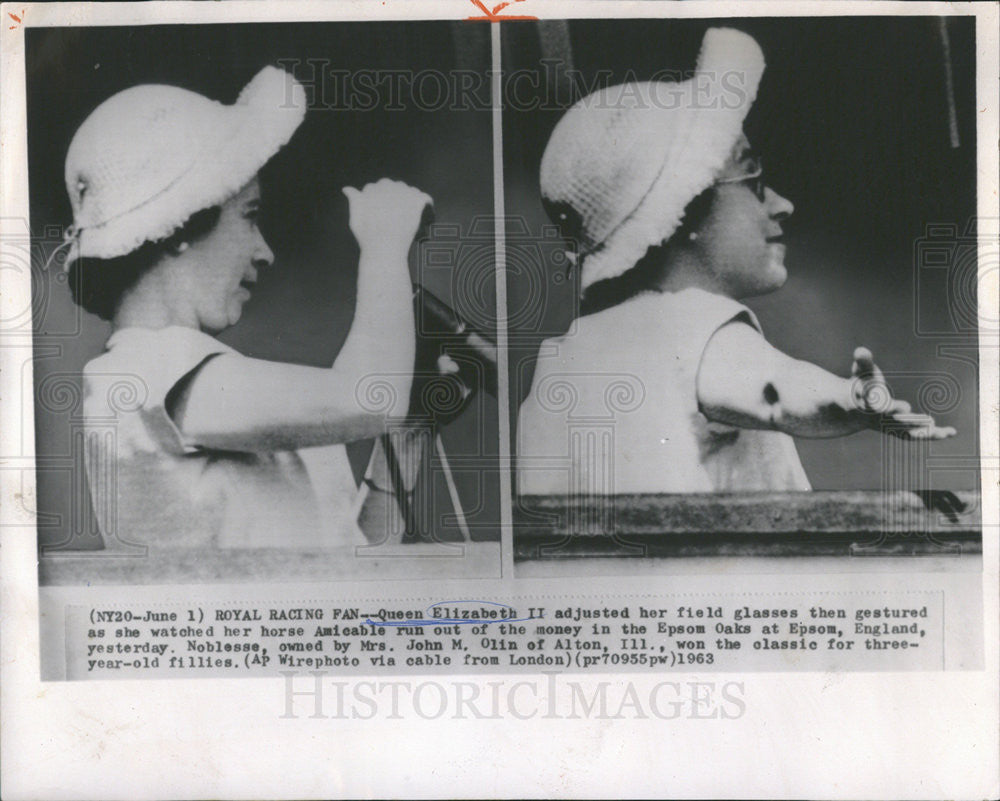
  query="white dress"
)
[
  {"x": 151, "y": 485},
  {"x": 614, "y": 408}
]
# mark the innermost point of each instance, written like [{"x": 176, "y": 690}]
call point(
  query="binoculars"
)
[{"x": 442, "y": 332}]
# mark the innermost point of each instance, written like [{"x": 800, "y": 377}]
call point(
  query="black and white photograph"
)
[
  {"x": 499, "y": 399},
  {"x": 268, "y": 328},
  {"x": 757, "y": 313}
]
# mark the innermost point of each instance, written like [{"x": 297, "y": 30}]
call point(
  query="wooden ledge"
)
[{"x": 748, "y": 524}]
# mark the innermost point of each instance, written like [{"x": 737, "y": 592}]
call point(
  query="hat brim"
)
[
  {"x": 264, "y": 118},
  {"x": 713, "y": 123}
]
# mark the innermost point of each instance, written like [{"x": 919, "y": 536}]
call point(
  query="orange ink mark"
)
[
  {"x": 16, "y": 19},
  {"x": 494, "y": 15}
]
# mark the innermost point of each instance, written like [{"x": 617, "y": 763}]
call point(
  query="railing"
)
[{"x": 748, "y": 524}]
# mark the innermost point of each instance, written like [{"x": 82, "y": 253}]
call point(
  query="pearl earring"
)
[
  {"x": 693, "y": 236},
  {"x": 182, "y": 247}
]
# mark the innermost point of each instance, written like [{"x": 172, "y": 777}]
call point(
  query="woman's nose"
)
[
  {"x": 779, "y": 207},
  {"x": 263, "y": 256}
]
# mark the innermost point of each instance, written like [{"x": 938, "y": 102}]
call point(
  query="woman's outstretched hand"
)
[
  {"x": 873, "y": 398},
  {"x": 386, "y": 213}
]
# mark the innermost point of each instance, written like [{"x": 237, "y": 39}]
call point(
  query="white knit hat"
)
[
  {"x": 150, "y": 156},
  {"x": 628, "y": 159}
]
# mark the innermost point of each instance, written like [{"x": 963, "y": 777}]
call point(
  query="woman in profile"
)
[
  {"x": 676, "y": 225},
  {"x": 205, "y": 448}
]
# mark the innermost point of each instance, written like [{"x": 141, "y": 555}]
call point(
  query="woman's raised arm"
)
[{"x": 241, "y": 404}]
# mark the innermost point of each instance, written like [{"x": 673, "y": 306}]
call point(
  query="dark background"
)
[
  {"x": 303, "y": 306},
  {"x": 852, "y": 122},
  {"x": 851, "y": 119}
]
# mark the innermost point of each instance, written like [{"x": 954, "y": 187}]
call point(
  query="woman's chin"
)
[
  {"x": 234, "y": 313},
  {"x": 777, "y": 274},
  {"x": 220, "y": 322},
  {"x": 771, "y": 282}
]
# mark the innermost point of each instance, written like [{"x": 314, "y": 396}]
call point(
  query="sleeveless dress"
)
[
  {"x": 614, "y": 409},
  {"x": 151, "y": 485}
]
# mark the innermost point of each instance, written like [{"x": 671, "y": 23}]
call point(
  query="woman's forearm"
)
[
  {"x": 234, "y": 403},
  {"x": 809, "y": 401},
  {"x": 746, "y": 382},
  {"x": 377, "y": 357},
  {"x": 241, "y": 404},
  {"x": 797, "y": 398}
]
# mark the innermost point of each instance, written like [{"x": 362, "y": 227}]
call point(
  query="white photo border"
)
[{"x": 889, "y": 735}]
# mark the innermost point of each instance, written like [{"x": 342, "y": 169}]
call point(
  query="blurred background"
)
[
  {"x": 869, "y": 126},
  {"x": 409, "y": 101}
]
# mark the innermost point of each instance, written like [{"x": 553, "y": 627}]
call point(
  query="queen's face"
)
[
  {"x": 227, "y": 260},
  {"x": 740, "y": 241}
]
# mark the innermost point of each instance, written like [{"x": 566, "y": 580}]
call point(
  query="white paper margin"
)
[{"x": 914, "y": 735}]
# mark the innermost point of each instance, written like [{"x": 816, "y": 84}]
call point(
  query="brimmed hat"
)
[
  {"x": 149, "y": 157},
  {"x": 623, "y": 163}
]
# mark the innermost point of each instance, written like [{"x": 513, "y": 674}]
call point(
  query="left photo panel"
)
[{"x": 263, "y": 303}]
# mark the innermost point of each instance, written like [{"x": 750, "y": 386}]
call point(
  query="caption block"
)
[{"x": 839, "y": 631}]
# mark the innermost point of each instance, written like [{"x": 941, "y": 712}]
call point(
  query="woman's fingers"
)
[
  {"x": 900, "y": 407},
  {"x": 386, "y": 211},
  {"x": 912, "y": 420},
  {"x": 865, "y": 367},
  {"x": 864, "y": 363},
  {"x": 875, "y": 397},
  {"x": 871, "y": 392},
  {"x": 918, "y": 426},
  {"x": 930, "y": 432}
]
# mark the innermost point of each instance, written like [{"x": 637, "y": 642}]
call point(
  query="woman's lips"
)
[{"x": 776, "y": 248}]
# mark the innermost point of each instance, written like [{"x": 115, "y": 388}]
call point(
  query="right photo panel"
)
[{"x": 742, "y": 294}]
